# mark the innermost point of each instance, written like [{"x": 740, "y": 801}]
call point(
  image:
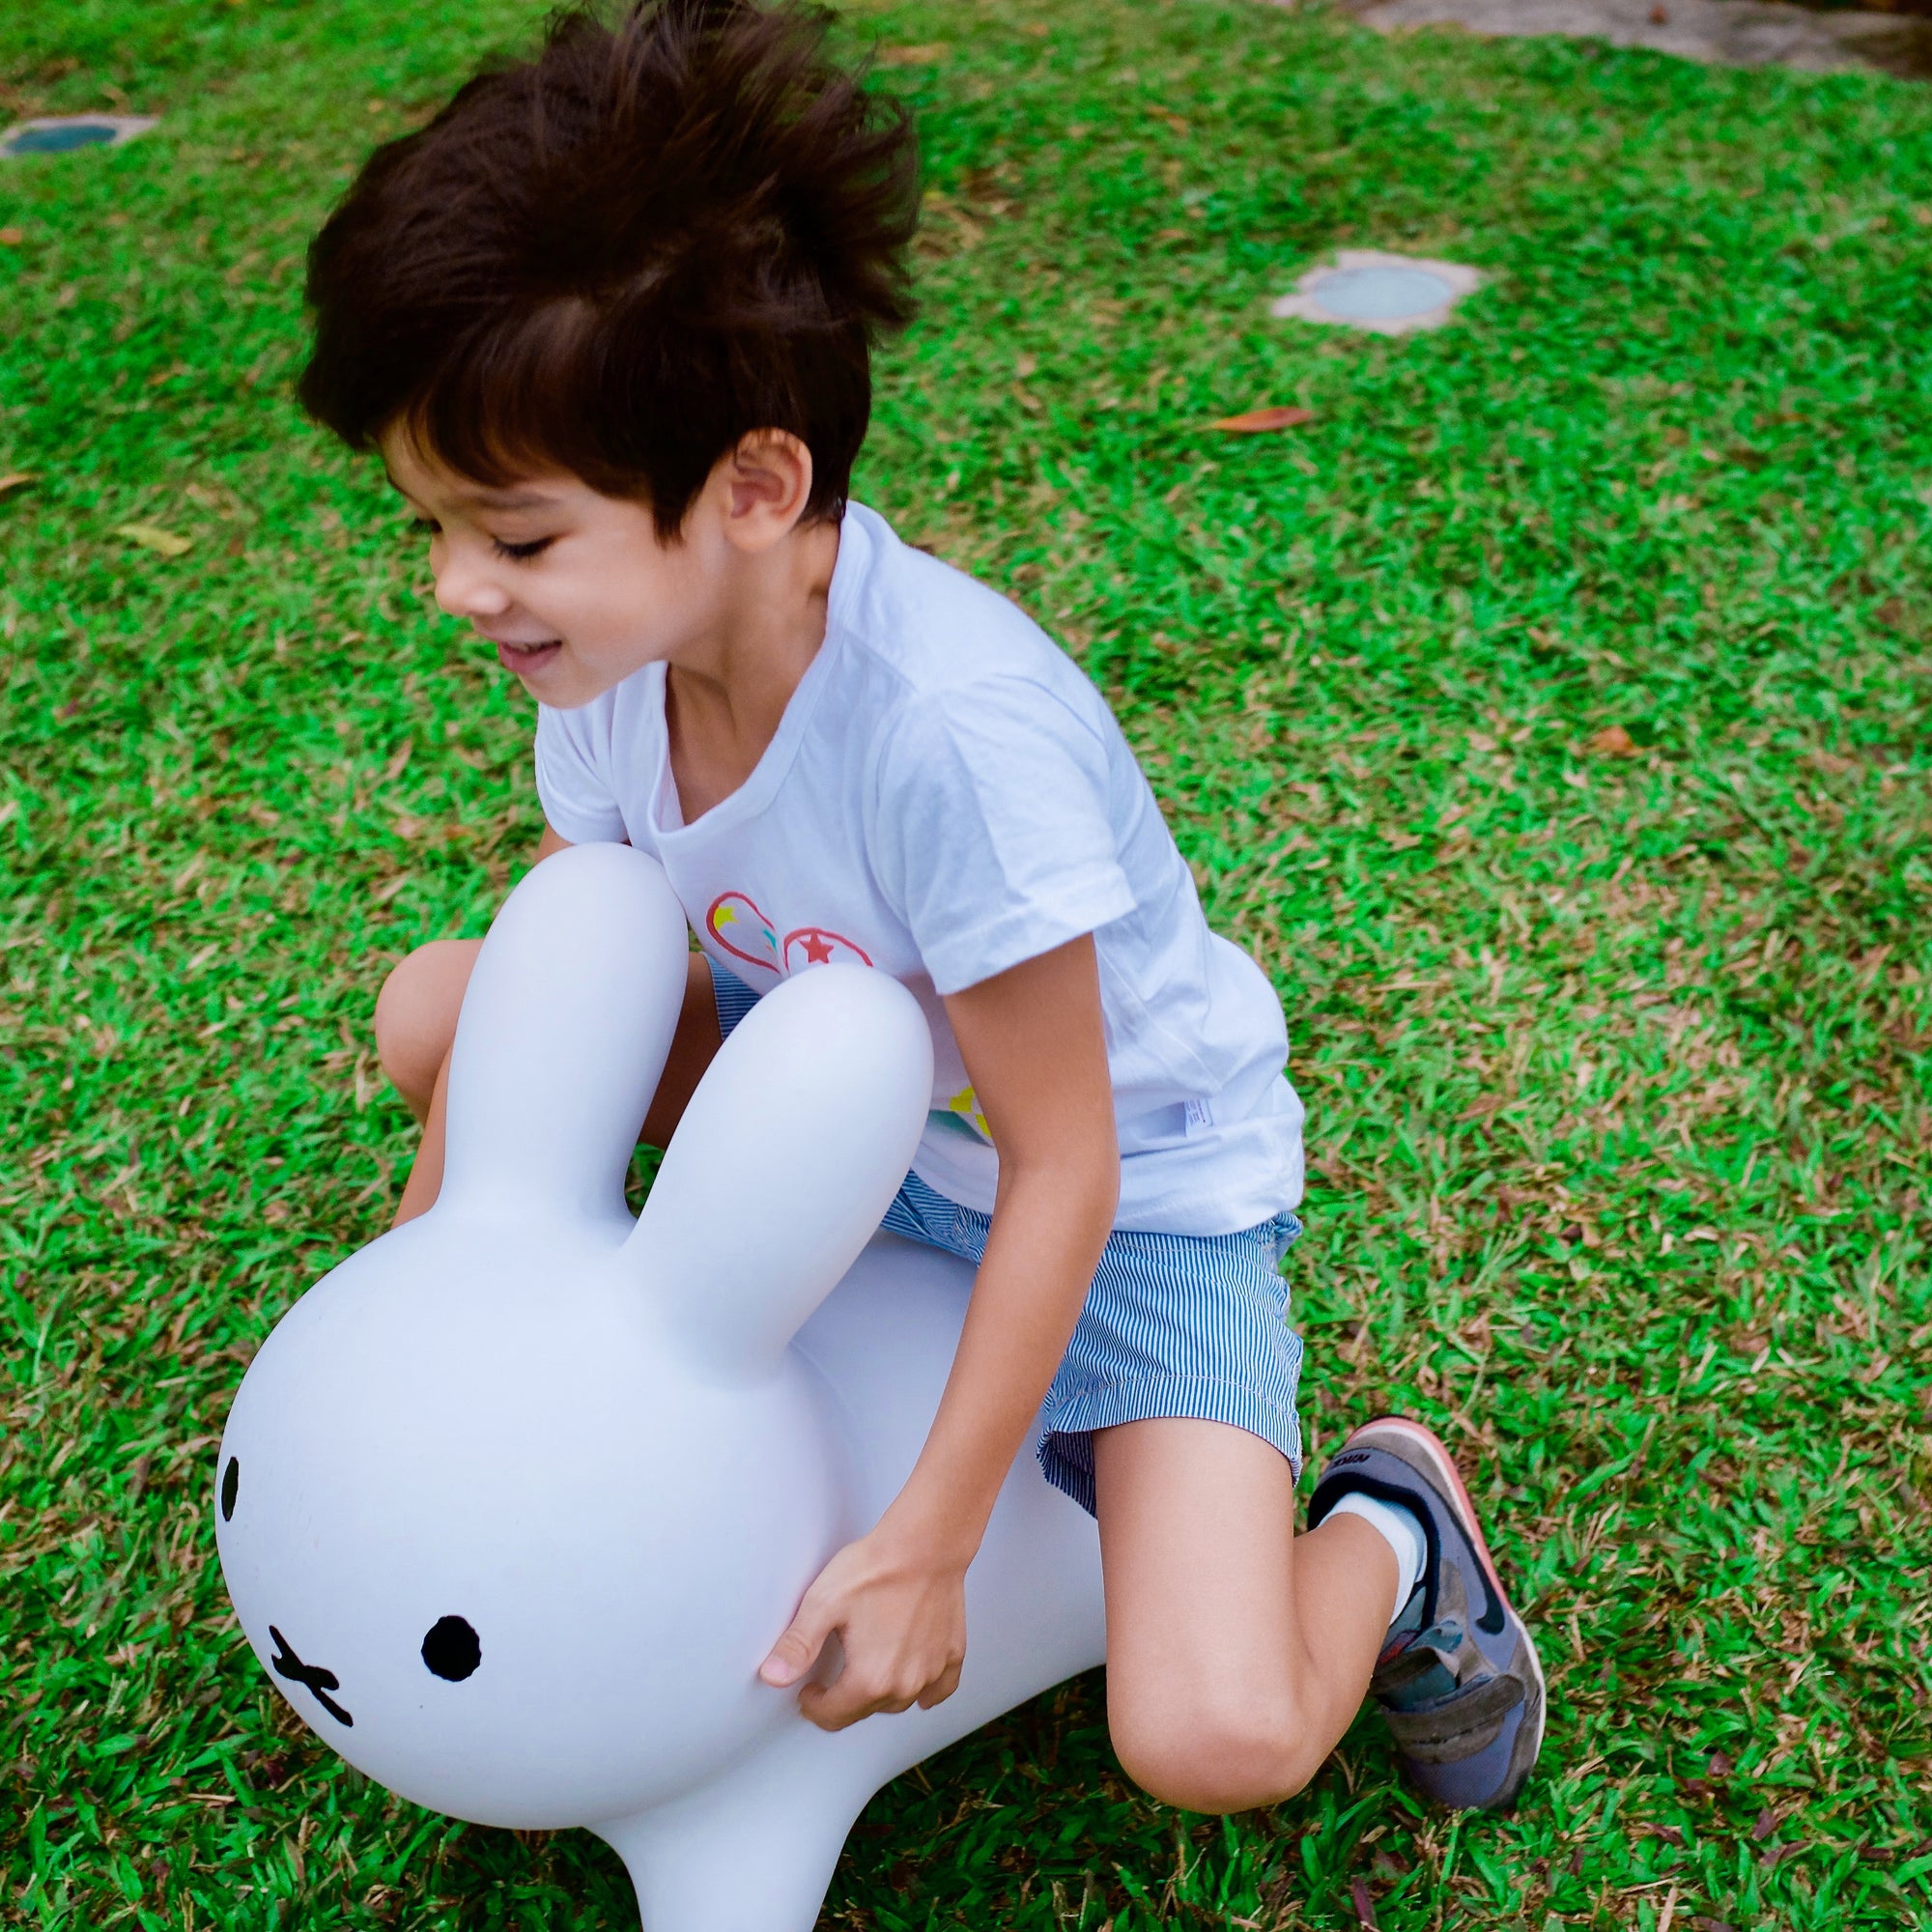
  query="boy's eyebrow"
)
[{"x": 487, "y": 499}]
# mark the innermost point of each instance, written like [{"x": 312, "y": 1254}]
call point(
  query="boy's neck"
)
[{"x": 726, "y": 694}]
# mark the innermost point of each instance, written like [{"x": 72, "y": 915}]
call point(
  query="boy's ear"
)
[
  {"x": 768, "y": 483},
  {"x": 784, "y": 1162},
  {"x": 565, "y": 1026}
]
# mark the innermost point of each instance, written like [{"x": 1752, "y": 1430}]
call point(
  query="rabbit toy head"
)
[{"x": 513, "y": 1502}]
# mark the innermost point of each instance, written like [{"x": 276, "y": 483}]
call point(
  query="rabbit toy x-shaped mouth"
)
[{"x": 318, "y": 1682}]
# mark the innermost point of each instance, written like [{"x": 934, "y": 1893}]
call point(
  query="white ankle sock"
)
[{"x": 1400, "y": 1530}]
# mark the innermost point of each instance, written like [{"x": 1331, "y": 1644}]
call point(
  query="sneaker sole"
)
[{"x": 1450, "y": 1480}]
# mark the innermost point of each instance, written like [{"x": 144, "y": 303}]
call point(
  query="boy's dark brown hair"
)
[{"x": 617, "y": 258}]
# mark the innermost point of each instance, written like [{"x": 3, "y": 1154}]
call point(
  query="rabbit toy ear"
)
[
  {"x": 565, "y": 1026},
  {"x": 787, "y": 1157}
]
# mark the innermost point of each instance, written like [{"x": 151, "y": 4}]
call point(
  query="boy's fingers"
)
[
  {"x": 832, "y": 1707},
  {"x": 938, "y": 1692},
  {"x": 815, "y": 1701},
  {"x": 795, "y": 1652}
]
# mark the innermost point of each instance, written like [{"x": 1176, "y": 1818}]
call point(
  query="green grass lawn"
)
[{"x": 1548, "y": 715}]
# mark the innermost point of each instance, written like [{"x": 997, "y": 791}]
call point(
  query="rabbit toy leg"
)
[{"x": 754, "y": 1850}]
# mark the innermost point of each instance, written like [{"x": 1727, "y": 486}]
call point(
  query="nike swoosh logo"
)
[{"x": 1492, "y": 1622}]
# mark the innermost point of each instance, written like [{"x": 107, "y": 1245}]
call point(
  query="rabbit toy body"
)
[{"x": 514, "y": 1502}]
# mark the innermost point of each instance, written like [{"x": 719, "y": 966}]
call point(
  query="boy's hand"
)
[{"x": 899, "y": 1608}]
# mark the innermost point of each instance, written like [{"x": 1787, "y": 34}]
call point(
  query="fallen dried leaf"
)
[
  {"x": 1614, "y": 742},
  {"x": 151, "y": 536},
  {"x": 18, "y": 481},
  {"x": 1251, "y": 422},
  {"x": 12, "y": 236},
  {"x": 1365, "y": 1911},
  {"x": 925, "y": 56}
]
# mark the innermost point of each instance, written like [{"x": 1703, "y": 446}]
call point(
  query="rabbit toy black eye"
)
[
  {"x": 231, "y": 1484},
  {"x": 451, "y": 1649}
]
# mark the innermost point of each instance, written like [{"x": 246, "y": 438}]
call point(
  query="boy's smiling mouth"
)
[{"x": 523, "y": 657}]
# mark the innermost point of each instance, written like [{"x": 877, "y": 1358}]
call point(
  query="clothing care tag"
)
[{"x": 1199, "y": 1115}]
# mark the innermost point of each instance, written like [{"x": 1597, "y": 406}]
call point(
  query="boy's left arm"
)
[{"x": 1036, "y": 1054}]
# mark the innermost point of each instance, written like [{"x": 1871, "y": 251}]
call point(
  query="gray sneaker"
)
[{"x": 1458, "y": 1678}]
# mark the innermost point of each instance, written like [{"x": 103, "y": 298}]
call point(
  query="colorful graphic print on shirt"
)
[
  {"x": 737, "y": 925},
  {"x": 966, "y": 1105}
]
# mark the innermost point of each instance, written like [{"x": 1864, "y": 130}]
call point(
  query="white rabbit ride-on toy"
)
[{"x": 514, "y": 1502}]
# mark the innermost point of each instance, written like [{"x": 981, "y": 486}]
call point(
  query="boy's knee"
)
[
  {"x": 416, "y": 1009},
  {"x": 1231, "y": 1758}
]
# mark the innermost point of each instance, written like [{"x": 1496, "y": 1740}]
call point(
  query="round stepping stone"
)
[
  {"x": 62, "y": 134},
  {"x": 1386, "y": 294}
]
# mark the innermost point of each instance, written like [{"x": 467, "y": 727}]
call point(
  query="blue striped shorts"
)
[{"x": 1172, "y": 1324}]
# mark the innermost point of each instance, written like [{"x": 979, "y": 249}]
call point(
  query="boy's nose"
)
[{"x": 464, "y": 591}]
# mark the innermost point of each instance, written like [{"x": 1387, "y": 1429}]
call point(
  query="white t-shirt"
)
[{"x": 947, "y": 795}]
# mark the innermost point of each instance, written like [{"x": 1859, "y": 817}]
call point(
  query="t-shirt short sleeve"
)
[
  {"x": 991, "y": 829},
  {"x": 577, "y": 800}
]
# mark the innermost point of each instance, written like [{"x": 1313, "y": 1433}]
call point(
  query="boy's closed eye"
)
[{"x": 516, "y": 551}]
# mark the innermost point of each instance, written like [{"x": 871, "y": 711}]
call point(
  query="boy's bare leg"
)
[
  {"x": 425, "y": 1182},
  {"x": 1237, "y": 1653},
  {"x": 423, "y": 1016}
]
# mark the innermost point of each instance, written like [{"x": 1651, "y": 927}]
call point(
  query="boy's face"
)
[{"x": 572, "y": 586}]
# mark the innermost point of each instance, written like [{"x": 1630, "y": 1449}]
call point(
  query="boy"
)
[{"x": 608, "y": 320}]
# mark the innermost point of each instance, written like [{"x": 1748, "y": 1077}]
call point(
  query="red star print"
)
[{"x": 817, "y": 946}]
